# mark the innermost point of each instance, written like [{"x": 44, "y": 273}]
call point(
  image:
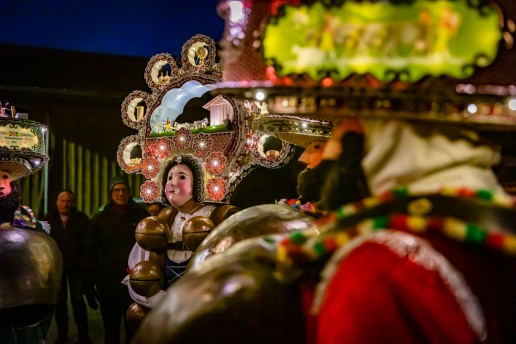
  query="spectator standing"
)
[
  {"x": 110, "y": 240},
  {"x": 69, "y": 230}
]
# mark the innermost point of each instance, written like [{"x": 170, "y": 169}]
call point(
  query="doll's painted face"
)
[
  {"x": 5, "y": 183},
  {"x": 179, "y": 186}
]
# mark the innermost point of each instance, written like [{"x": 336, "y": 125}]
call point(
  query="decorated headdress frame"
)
[
  {"x": 221, "y": 143},
  {"x": 22, "y": 147}
]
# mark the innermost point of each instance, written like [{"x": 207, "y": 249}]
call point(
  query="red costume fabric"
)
[{"x": 382, "y": 292}]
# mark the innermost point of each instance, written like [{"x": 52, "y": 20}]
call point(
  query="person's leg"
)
[
  {"x": 61, "y": 314},
  {"x": 80, "y": 314},
  {"x": 125, "y": 303},
  {"x": 110, "y": 312}
]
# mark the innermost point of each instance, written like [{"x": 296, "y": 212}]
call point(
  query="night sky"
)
[{"x": 118, "y": 27}]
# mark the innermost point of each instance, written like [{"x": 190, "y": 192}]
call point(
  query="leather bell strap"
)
[{"x": 178, "y": 246}]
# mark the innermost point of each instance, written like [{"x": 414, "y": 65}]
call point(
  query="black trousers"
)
[
  {"x": 71, "y": 281},
  {"x": 113, "y": 307}
]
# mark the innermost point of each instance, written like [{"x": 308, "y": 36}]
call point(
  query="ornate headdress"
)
[
  {"x": 22, "y": 146},
  {"x": 181, "y": 117}
]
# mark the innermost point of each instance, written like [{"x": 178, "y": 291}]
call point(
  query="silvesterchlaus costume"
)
[
  {"x": 31, "y": 261},
  {"x": 428, "y": 261},
  {"x": 430, "y": 256}
]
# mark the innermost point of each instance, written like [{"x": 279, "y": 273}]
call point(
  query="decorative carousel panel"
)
[
  {"x": 161, "y": 69},
  {"x": 270, "y": 151},
  {"x": 198, "y": 54},
  {"x": 134, "y": 109},
  {"x": 130, "y": 154}
]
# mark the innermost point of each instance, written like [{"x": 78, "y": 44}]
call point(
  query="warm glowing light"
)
[
  {"x": 215, "y": 163},
  {"x": 182, "y": 138},
  {"x": 216, "y": 188},
  {"x": 162, "y": 147},
  {"x": 472, "y": 108},
  {"x": 260, "y": 96},
  {"x": 327, "y": 82},
  {"x": 236, "y": 11},
  {"x": 512, "y": 104},
  {"x": 202, "y": 144}
]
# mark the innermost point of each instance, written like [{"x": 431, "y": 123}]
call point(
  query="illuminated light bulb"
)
[
  {"x": 162, "y": 147},
  {"x": 236, "y": 11},
  {"x": 249, "y": 141},
  {"x": 260, "y": 96},
  {"x": 512, "y": 104},
  {"x": 327, "y": 82},
  {"x": 284, "y": 103},
  {"x": 182, "y": 138},
  {"x": 150, "y": 167},
  {"x": 304, "y": 125},
  {"x": 472, "y": 108},
  {"x": 202, "y": 144},
  {"x": 149, "y": 191},
  {"x": 215, "y": 163},
  {"x": 216, "y": 188}
]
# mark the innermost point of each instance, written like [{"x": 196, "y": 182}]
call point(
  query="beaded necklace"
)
[
  {"x": 310, "y": 208},
  {"x": 310, "y": 245}
]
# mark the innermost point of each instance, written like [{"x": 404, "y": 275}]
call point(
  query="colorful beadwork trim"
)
[
  {"x": 309, "y": 245},
  {"x": 420, "y": 252}
]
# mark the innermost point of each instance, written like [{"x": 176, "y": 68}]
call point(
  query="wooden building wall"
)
[{"x": 78, "y": 97}]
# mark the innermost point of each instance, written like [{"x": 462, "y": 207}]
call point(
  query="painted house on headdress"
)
[{"x": 220, "y": 110}]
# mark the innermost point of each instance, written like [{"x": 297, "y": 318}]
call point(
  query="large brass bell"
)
[
  {"x": 146, "y": 278},
  {"x": 135, "y": 314},
  {"x": 30, "y": 272},
  {"x": 196, "y": 230},
  {"x": 152, "y": 233}
]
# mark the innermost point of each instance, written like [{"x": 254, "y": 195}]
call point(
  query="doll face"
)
[
  {"x": 179, "y": 186},
  {"x": 5, "y": 183}
]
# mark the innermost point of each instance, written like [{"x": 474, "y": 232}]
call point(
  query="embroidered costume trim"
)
[{"x": 422, "y": 253}]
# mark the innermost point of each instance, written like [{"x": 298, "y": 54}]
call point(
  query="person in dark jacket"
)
[
  {"x": 69, "y": 230},
  {"x": 110, "y": 240}
]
